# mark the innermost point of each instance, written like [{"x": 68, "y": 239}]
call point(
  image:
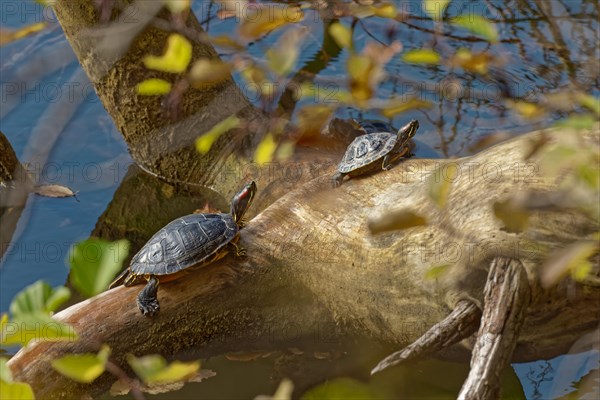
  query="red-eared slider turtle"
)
[
  {"x": 378, "y": 149},
  {"x": 191, "y": 241}
]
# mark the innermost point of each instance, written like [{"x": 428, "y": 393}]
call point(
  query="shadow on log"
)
[{"x": 314, "y": 268}]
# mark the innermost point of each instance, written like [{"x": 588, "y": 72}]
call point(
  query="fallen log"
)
[{"x": 315, "y": 273}]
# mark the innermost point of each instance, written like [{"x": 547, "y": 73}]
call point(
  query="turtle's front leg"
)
[
  {"x": 239, "y": 251},
  {"x": 147, "y": 300},
  {"x": 337, "y": 179}
]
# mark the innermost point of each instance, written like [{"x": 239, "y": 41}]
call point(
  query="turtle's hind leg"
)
[
  {"x": 147, "y": 301},
  {"x": 239, "y": 251}
]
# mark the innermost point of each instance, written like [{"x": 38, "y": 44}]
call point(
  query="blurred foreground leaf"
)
[
  {"x": 205, "y": 142},
  {"x": 265, "y": 150},
  {"x": 83, "y": 368},
  {"x": 283, "y": 55},
  {"x": 398, "y": 106},
  {"x": 284, "y": 392},
  {"x": 396, "y": 220},
  {"x": 15, "y": 391},
  {"x": 439, "y": 186},
  {"x": 422, "y": 56},
  {"x": 7, "y": 36},
  {"x": 571, "y": 259},
  {"x": 154, "y": 369},
  {"x": 260, "y": 19},
  {"x": 153, "y": 87},
  {"x": 53, "y": 190},
  {"x": 478, "y": 25},
  {"x": 341, "y": 34},
  {"x": 436, "y": 271},
  {"x": 513, "y": 214},
  {"x": 435, "y": 8},
  {"x": 581, "y": 121},
  {"x": 38, "y": 326},
  {"x": 38, "y": 297},
  {"x": 95, "y": 262},
  {"x": 176, "y": 59},
  {"x": 206, "y": 72},
  {"x": 341, "y": 388}
]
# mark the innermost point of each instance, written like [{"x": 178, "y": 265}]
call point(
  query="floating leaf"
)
[
  {"x": 341, "y": 34},
  {"x": 176, "y": 59},
  {"x": 422, "y": 56},
  {"x": 513, "y": 214},
  {"x": 153, "y": 87},
  {"x": 5, "y": 374},
  {"x": 435, "y": 8},
  {"x": 16, "y": 391},
  {"x": 94, "y": 263},
  {"x": 398, "y": 106},
  {"x": 396, "y": 220},
  {"x": 477, "y": 25},
  {"x": 573, "y": 258},
  {"x": 526, "y": 109},
  {"x": 475, "y": 62},
  {"x": 312, "y": 119},
  {"x": 579, "y": 122},
  {"x": 206, "y": 72},
  {"x": 260, "y": 19},
  {"x": 38, "y": 326},
  {"x": 226, "y": 41},
  {"x": 154, "y": 369},
  {"x": 53, "y": 191},
  {"x": 83, "y": 368},
  {"x": 38, "y": 296},
  {"x": 265, "y": 150},
  {"x": 436, "y": 271},
  {"x": 360, "y": 68},
  {"x": 204, "y": 142},
  {"x": 282, "y": 57},
  {"x": 439, "y": 187},
  {"x": 7, "y": 36}
]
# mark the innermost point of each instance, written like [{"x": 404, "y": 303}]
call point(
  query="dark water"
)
[{"x": 56, "y": 123}]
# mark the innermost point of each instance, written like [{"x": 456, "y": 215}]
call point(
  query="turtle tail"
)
[{"x": 120, "y": 279}]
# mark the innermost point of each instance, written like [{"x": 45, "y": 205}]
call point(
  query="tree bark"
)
[{"x": 314, "y": 273}]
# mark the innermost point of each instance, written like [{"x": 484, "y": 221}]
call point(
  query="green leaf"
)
[
  {"x": 16, "y": 391},
  {"x": 177, "y": 6},
  {"x": 282, "y": 57},
  {"x": 204, "y": 142},
  {"x": 423, "y": 56},
  {"x": 341, "y": 34},
  {"x": 38, "y": 296},
  {"x": 5, "y": 374},
  {"x": 38, "y": 326},
  {"x": 265, "y": 150},
  {"x": 95, "y": 262},
  {"x": 436, "y": 271},
  {"x": 435, "y": 8},
  {"x": 83, "y": 368},
  {"x": 590, "y": 102},
  {"x": 176, "y": 59},
  {"x": 154, "y": 369},
  {"x": 477, "y": 25},
  {"x": 579, "y": 122},
  {"x": 153, "y": 87}
]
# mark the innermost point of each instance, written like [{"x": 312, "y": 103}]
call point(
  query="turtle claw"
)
[{"x": 148, "y": 308}]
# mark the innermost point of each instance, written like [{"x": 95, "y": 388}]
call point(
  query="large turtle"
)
[
  {"x": 190, "y": 241},
  {"x": 377, "y": 149}
]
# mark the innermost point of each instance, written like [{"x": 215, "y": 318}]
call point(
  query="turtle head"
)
[
  {"x": 242, "y": 200},
  {"x": 408, "y": 130}
]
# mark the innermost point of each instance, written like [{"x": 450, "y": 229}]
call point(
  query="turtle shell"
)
[
  {"x": 183, "y": 243},
  {"x": 366, "y": 149}
]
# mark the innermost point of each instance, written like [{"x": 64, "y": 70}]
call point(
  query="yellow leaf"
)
[
  {"x": 513, "y": 214},
  {"x": 590, "y": 102},
  {"x": 265, "y": 149},
  {"x": 341, "y": 34},
  {"x": 477, "y": 25},
  {"x": 436, "y": 271},
  {"x": 475, "y": 62},
  {"x": 423, "y": 56},
  {"x": 397, "y": 106},
  {"x": 439, "y": 187},
  {"x": 206, "y": 72},
  {"x": 285, "y": 151},
  {"x": 282, "y": 57},
  {"x": 359, "y": 70},
  {"x": 396, "y": 220},
  {"x": 573, "y": 258},
  {"x": 527, "y": 110},
  {"x": 7, "y": 36},
  {"x": 84, "y": 368},
  {"x": 435, "y": 8},
  {"x": 154, "y": 369},
  {"x": 153, "y": 87},
  {"x": 177, "y": 6},
  {"x": 16, "y": 391},
  {"x": 385, "y": 10},
  {"x": 312, "y": 119},
  {"x": 260, "y": 19},
  {"x": 204, "y": 142},
  {"x": 226, "y": 41},
  {"x": 176, "y": 59}
]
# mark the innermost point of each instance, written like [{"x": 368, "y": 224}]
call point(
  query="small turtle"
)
[
  {"x": 194, "y": 240},
  {"x": 378, "y": 149}
]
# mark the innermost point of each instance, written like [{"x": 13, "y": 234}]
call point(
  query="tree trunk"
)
[{"x": 314, "y": 273}]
